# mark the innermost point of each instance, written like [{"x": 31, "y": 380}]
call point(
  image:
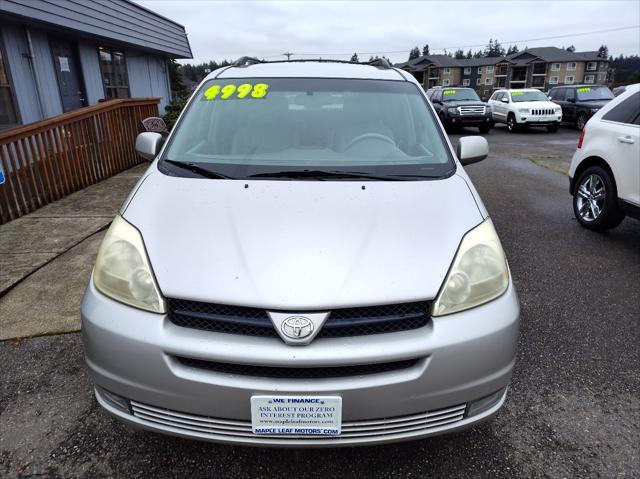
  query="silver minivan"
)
[{"x": 304, "y": 263}]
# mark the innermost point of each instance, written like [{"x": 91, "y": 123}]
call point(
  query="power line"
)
[{"x": 554, "y": 37}]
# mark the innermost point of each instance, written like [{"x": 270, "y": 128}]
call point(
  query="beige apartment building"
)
[{"x": 543, "y": 68}]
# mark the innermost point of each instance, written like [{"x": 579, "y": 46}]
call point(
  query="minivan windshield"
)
[
  {"x": 459, "y": 94},
  {"x": 518, "y": 96},
  {"x": 587, "y": 93},
  {"x": 308, "y": 128}
]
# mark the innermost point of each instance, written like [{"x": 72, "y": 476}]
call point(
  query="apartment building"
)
[{"x": 542, "y": 67}]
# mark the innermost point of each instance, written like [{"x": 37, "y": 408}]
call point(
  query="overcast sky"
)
[{"x": 220, "y": 30}]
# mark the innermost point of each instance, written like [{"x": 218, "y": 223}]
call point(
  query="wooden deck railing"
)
[{"x": 49, "y": 159}]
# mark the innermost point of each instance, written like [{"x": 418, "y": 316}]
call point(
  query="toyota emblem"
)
[{"x": 297, "y": 327}]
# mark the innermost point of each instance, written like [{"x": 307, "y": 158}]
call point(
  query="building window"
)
[
  {"x": 488, "y": 81},
  {"x": 592, "y": 66},
  {"x": 465, "y": 82},
  {"x": 589, "y": 78},
  {"x": 553, "y": 80},
  {"x": 467, "y": 70},
  {"x": 445, "y": 82},
  {"x": 8, "y": 115},
  {"x": 478, "y": 81},
  {"x": 571, "y": 66},
  {"x": 537, "y": 81},
  {"x": 479, "y": 69},
  {"x": 114, "y": 73},
  {"x": 446, "y": 71},
  {"x": 490, "y": 69},
  {"x": 568, "y": 80},
  {"x": 555, "y": 67}
]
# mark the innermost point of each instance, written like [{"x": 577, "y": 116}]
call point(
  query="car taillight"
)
[{"x": 581, "y": 139}]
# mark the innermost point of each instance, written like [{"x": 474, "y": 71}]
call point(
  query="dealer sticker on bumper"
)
[{"x": 297, "y": 415}]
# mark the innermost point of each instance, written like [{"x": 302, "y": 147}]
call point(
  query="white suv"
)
[
  {"x": 523, "y": 108},
  {"x": 605, "y": 170}
]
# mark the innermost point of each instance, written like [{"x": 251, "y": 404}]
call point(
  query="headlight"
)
[
  {"x": 558, "y": 110},
  {"x": 488, "y": 109},
  {"x": 478, "y": 274},
  {"x": 453, "y": 111},
  {"x": 122, "y": 269},
  {"x": 523, "y": 110}
]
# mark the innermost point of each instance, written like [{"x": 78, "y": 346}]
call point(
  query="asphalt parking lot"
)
[{"x": 574, "y": 405}]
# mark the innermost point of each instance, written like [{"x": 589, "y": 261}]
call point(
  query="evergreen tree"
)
[
  {"x": 603, "y": 51},
  {"x": 354, "y": 58},
  {"x": 178, "y": 88},
  {"x": 459, "y": 54},
  {"x": 414, "y": 53},
  {"x": 469, "y": 54},
  {"x": 425, "y": 49},
  {"x": 571, "y": 48}
]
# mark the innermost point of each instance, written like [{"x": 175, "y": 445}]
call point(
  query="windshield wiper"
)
[
  {"x": 324, "y": 174},
  {"x": 199, "y": 170}
]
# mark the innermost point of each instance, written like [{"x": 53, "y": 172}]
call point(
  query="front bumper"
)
[
  {"x": 469, "y": 120},
  {"x": 463, "y": 357},
  {"x": 532, "y": 120}
]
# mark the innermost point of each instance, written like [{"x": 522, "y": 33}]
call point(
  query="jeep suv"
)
[
  {"x": 460, "y": 107},
  {"x": 524, "y": 108},
  {"x": 580, "y": 102}
]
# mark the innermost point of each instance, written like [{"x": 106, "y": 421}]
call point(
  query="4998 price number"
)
[{"x": 231, "y": 91}]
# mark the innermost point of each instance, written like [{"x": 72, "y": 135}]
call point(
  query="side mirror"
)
[
  {"x": 472, "y": 149},
  {"x": 148, "y": 144},
  {"x": 504, "y": 100}
]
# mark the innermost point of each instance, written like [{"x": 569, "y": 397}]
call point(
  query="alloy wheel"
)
[
  {"x": 581, "y": 121},
  {"x": 511, "y": 124},
  {"x": 590, "y": 198}
]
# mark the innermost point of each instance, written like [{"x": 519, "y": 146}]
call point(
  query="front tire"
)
[
  {"x": 581, "y": 121},
  {"x": 512, "y": 124},
  {"x": 595, "y": 200}
]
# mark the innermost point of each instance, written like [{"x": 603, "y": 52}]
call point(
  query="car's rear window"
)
[{"x": 243, "y": 127}]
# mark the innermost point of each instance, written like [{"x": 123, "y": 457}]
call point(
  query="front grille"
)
[
  {"x": 295, "y": 372},
  {"x": 343, "y": 322},
  {"x": 471, "y": 110},
  {"x": 543, "y": 111},
  {"x": 207, "y": 427}
]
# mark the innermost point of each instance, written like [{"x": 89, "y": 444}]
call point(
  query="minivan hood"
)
[{"x": 301, "y": 245}]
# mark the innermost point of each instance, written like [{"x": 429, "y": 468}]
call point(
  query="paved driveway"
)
[{"x": 573, "y": 408}]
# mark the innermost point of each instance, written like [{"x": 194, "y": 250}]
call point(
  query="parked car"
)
[
  {"x": 459, "y": 107},
  {"x": 304, "y": 259},
  {"x": 618, "y": 90},
  {"x": 605, "y": 170},
  {"x": 522, "y": 108},
  {"x": 580, "y": 102}
]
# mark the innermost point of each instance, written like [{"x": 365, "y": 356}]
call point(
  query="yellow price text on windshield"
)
[
  {"x": 449, "y": 92},
  {"x": 584, "y": 90},
  {"x": 231, "y": 91},
  {"x": 517, "y": 93}
]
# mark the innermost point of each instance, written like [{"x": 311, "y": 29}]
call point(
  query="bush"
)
[{"x": 172, "y": 112}]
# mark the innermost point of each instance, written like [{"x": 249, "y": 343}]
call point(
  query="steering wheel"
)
[{"x": 367, "y": 136}]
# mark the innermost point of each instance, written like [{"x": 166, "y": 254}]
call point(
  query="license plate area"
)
[{"x": 296, "y": 415}]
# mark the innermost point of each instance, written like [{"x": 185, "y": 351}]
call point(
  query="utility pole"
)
[{"x": 288, "y": 55}]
